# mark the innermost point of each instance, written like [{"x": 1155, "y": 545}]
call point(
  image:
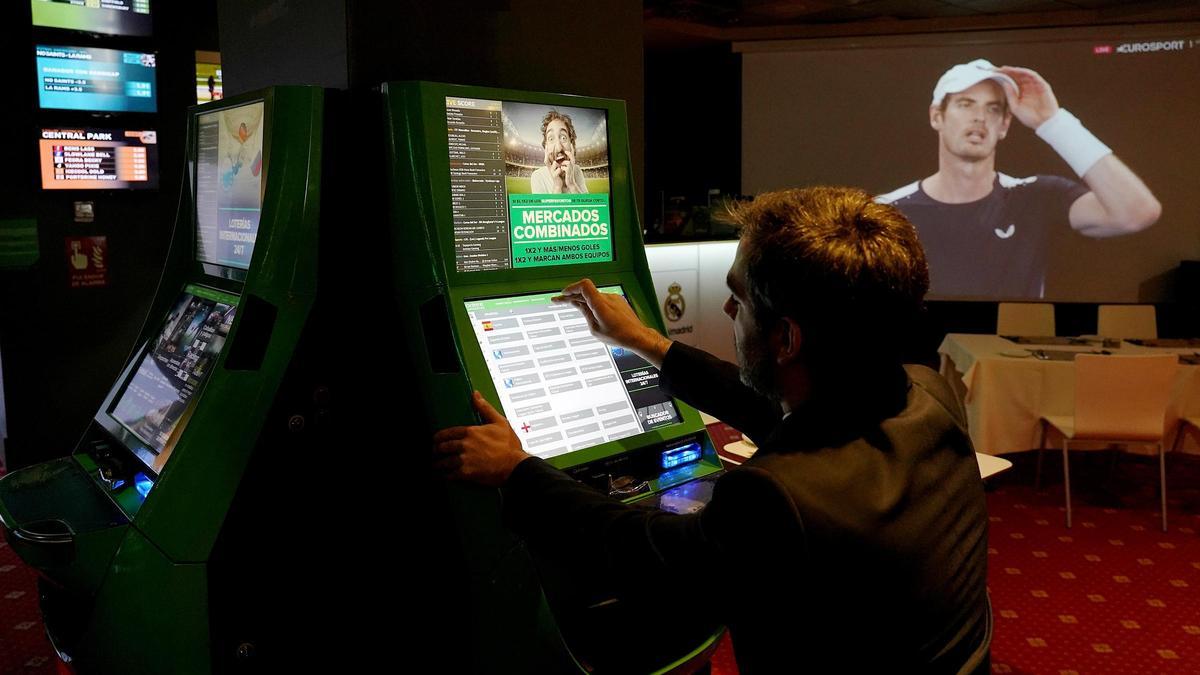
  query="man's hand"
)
[
  {"x": 1034, "y": 102},
  {"x": 613, "y": 321},
  {"x": 485, "y": 454},
  {"x": 569, "y": 171},
  {"x": 1119, "y": 203}
]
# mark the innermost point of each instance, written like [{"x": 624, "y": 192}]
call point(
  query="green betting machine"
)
[
  {"x": 500, "y": 198},
  {"x": 169, "y": 539}
]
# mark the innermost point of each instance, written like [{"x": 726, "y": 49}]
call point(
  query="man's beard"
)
[{"x": 755, "y": 367}]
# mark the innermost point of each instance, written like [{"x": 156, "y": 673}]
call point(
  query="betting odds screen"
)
[
  {"x": 98, "y": 159},
  {"x": 94, "y": 79},
  {"x": 229, "y": 166},
  {"x": 529, "y": 184},
  {"x": 561, "y": 388},
  {"x": 111, "y": 17},
  {"x": 173, "y": 368}
]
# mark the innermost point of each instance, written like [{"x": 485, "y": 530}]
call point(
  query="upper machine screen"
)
[
  {"x": 229, "y": 171},
  {"x": 529, "y": 184}
]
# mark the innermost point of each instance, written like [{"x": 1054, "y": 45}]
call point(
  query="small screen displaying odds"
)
[{"x": 98, "y": 159}]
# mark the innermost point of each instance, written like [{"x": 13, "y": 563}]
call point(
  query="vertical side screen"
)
[{"x": 229, "y": 166}]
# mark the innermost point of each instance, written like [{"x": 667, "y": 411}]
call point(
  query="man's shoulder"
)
[
  {"x": 933, "y": 383},
  {"x": 906, "y": 193}
]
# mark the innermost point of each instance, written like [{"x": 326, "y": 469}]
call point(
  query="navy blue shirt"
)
[{"x": 995, "y": 247}]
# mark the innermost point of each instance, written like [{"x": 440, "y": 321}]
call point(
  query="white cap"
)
[{"x": 967, "y": 75}]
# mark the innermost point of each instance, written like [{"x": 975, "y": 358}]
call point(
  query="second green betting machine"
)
[
  {"x": 184, "y": 532},
  {"x": 500, "y": 198}
]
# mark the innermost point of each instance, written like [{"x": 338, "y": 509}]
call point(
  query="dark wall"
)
[
  {"x": 575, "y": 47},
  {"x": 63, "y": 347},
  {"x": 272, "y": 42},
  {"x": 572, "y": 46},
  {"x": 693, "y": 126}
]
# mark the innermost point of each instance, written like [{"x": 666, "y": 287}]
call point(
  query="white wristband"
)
[{"x": 1075, "y": 144}]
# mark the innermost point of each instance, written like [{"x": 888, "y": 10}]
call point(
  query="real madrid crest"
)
[{"x": 674, "y": 305}]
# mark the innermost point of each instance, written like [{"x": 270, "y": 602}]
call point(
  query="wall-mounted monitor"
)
[
  {"x": 98, "y": 159},
  {"x": 94, "y": 79},
  {"x": 110, "y": 17},
  {"x": 529, "y": 184},
  {"x": 229, "y": 184}
]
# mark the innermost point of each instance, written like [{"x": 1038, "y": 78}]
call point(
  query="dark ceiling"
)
[
  {"x": 672, "y": 25},
  {"x": 747, "y": 13}
]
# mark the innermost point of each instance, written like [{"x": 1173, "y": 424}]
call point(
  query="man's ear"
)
[
  {"x": 787, "y": 341},
  {"x": 935, "y": 117},
  {"x": 1008, "y": 117}
]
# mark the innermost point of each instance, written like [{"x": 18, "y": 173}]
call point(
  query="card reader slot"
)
[
  {"x": 439, "y": 341},
  {"x": 253, "y": 334}
]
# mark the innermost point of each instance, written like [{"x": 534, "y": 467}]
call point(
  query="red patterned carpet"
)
[
  {"x": 24, "y": 649},
  {"x": 1112, "y": 595}
]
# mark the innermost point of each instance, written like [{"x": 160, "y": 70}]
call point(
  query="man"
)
[
  {"x": 986, "y": 233},
  {"x": 858, "y": 531},
  {"x": 560, "y": 174}
]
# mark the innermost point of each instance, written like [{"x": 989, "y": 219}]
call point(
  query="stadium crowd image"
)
[{"x": 660, "y": 337}]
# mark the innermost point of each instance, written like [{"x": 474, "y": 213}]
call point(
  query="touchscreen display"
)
[
  {"x": 561, "y": 388},
  {"x": 174, "y": 367}
]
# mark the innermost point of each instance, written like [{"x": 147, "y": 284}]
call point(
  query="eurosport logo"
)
[{"x": 1143, "y": 47}]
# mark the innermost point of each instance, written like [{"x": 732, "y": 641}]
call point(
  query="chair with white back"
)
[
  {"x": 1128, "y": 322},
  {"x": 1025, "y": 319},
  {"x": 1118, "y": 399}
]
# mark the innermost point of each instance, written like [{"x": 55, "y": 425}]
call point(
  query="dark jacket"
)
[{"x": 855, "y": 540}]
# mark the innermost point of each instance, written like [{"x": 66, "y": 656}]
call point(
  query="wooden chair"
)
[
  {"x": 1025, "y": 318},
  {"x": 1118, "y": 399},
  {"x": 1127, "y": 322}
]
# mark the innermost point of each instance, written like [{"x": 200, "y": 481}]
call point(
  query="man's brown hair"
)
[
  {"x": 566, "y": 119},
  {"x": 945, "y": 103},
  {"x": 850, "y": 271}
]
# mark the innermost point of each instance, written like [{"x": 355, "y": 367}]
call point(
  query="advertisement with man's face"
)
[{"x": 530, "y": 184}]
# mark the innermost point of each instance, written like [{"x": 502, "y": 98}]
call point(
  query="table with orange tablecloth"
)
[{"x": 1006, "y": 394}]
